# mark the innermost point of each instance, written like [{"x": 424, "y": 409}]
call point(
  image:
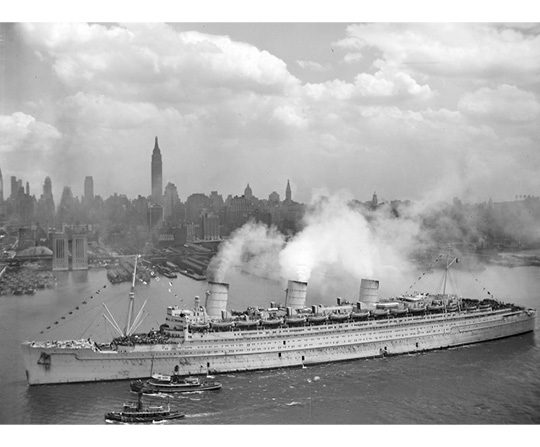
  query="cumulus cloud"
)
[
  {"x": 27, "y": 146},
  {"x": 312, "y": 65},
  {"x": 450, "y": 49},
  {"x": 504, "y": 103},
  {"x": 22, "y": 135},
  {"x": 416, "y": 107},
  {"x": 117, "y": 59}
]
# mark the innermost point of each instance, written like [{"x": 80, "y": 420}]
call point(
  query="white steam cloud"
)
[
  {"x": 338, "y": 244},
  {"x": 253, "y": 247}
]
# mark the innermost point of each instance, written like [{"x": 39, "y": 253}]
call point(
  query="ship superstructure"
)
[{"x": 210, "y": 339}]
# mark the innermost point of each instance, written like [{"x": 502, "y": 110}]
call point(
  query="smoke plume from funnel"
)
[
  {"x": 340, "y": 243},
  {"x": 254, "y": 247}
]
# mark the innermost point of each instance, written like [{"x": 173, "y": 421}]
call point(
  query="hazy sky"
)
[{"x": 409, "y": 110}]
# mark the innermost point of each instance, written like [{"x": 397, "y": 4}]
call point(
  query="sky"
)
[{"x": 411, "y": 110}]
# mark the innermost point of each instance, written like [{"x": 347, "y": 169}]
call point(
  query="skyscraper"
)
[
  {"x": 47, "y": 187},
  {"x": 14, "y": 187},
  {"x": 45, "y": 206},
  {"x": 157, "y": 174},
  {"x": 88, "y": 188}
]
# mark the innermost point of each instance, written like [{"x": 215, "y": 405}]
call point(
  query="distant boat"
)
[
  {"x": 135, "y": 412},
  {"x": 160, "y": 383}
]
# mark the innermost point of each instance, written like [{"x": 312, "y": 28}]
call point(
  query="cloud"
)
[
  {"x": 146, "y": 61},
  {"x": 387, "y": 83},
  {"x": 450, "y": 49},
  {"x": 314, "y": 66},
  {"x": 27, "y": 147},
  {"x": 506, "y": 103},
  {"x": 417, "y": 107}
]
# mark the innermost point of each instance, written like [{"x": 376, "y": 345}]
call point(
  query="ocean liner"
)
[{"x": 210, "y": 339}]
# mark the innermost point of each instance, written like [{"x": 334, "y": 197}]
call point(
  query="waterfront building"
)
[
  {"x": 60, "y": 248},
  {"x": 210, "y": 227},
  {"x": 157, "y": 174},
  {"x": 79, "y": 249}
]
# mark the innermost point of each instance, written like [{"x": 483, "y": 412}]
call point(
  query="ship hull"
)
[{"x": 204, "y": 353}]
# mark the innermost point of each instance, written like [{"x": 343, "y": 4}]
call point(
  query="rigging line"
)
[
  {"x": 428, "y": 268},
  {"x": 79, "y": 313},
  {"x": 88, "y": 327},
  {"x": 60, "y": 323},
  {"x": 483, "y": 287}
]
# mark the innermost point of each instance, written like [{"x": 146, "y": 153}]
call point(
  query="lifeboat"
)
[
  {"x": 295, "y": 320},
  {"x": 272, "y": 322},
  {"x": 398, "y": 312},
  {"x": 380, "y": 313},
  {"x": 246, "y": 324},
  {"x": 360, "y": 315},
  {"x": 338, "y": 317},
  {"x": 199, "y": 326},
  {"x": 484, "y": 307},
  {"x": 222, "y": 325},
  {"x": 417, "y": 310},
  {"x": 452, "y": 308},
  {"x": 317, "y": 319},
  {"x": 435, "y": 308}
]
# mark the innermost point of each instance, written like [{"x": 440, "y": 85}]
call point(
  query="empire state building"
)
[{"x": 157, "y": 175}]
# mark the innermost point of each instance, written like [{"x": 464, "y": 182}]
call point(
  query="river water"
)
[{"x": 491, "y": 383}]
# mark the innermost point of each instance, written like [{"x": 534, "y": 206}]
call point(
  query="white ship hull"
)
[{"x": 244, "y": 350}]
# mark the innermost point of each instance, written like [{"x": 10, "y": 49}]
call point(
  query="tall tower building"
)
[
  {"x": 288, "y": 194},
  {"x": 1, "y": 187},
  {"x": 157, "y": 174},
  {"x": 47, "y": 187},
  {"x": 248, "y": 193},
  {"x": 14, "y": 187},
  {"x": 89, "y": 188}
]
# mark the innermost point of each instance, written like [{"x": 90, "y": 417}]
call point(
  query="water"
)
[{"x": 489, "y": 383}]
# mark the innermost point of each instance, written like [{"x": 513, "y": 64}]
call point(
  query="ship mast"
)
[
  {"x": 131, "y": 304},
  {"x": 131, "y": 324},
  {"x": 446, "y": 272}
]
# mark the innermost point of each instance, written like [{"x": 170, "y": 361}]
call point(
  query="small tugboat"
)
[
  {"x": 161, "y": 383},
  {"x": 136, "y": 412}
]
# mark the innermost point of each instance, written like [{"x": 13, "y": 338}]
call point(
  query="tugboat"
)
[
  {"x": 136, "y": 412},
  {"x": 161, "y": 383}
]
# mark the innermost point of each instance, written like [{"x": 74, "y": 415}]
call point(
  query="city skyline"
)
[{"x": 413, "y": 111}]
